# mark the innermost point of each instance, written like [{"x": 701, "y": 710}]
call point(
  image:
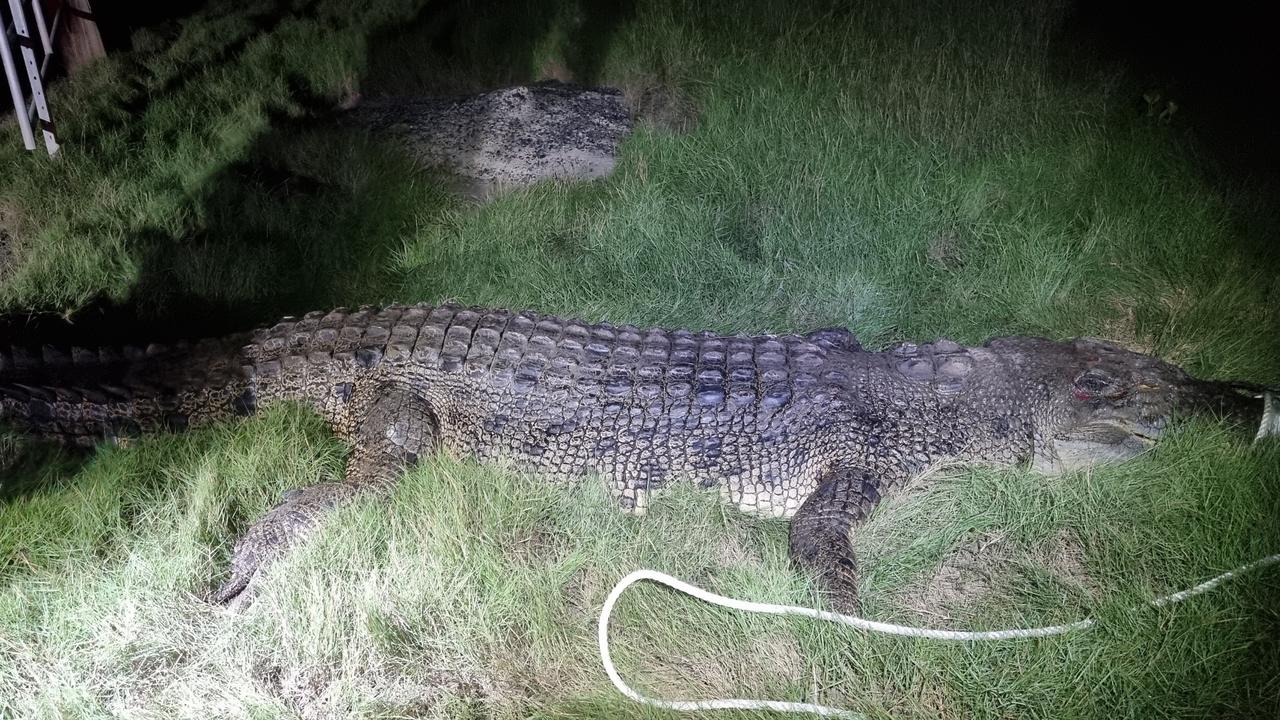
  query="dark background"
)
[{"x": 1216, "y": 60}]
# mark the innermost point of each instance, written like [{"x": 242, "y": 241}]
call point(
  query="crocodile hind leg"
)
[
  {"x": 821, "y": 533},
  {"x": 394, "y": 430}
]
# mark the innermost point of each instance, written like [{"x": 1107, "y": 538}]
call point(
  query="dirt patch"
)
[
  {"x": 307, "y": 691},
  {"x": 507, "y": 138},
  {"x": 663, "y": 106},
  {"x": 732, "y": 553},
  {"x": 988, "y": 564},
  {"x": 320, "y": 694},
  {"x": 1064, "y": 557},
  {"x": 967, "y": 574},
  {"x": 1122, "y": 328},
  {"x": 536, "y": 546},
  {"x": 944, "y": 250}
]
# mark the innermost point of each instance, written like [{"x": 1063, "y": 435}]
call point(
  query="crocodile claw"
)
[{"x": 272, "y": 535}]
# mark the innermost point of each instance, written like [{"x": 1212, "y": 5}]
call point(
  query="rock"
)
[{"x": 507, "y": 138}]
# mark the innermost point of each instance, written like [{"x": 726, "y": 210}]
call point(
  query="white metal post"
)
[
  {"x": 15, "y": 87},
  {"x": 47, "y": 34},
  {"x": 38, "y": 12},
  {"x": 33, "y": 77}
]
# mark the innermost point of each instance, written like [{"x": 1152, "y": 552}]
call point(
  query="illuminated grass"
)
[
  {"x": 478, "y": 593},
  {"x": 903, "y": 174}
]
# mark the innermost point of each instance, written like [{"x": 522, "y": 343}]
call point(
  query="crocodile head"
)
[{"x": 1102, "y": 403}]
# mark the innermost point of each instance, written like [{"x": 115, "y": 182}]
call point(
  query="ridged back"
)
[
  {"x": 521, "y": 351},
  {"x": 64, "y": 390}
]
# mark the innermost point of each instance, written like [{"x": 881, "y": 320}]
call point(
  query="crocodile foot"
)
[
  {"x": 273, "y": 534},
  {"x": 821, "y": 534},
  {"x": 391, "y": 432}
]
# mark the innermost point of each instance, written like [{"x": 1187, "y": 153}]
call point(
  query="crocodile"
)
[{"x": 811, "y": 427}]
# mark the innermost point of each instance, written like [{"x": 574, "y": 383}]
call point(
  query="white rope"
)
[
  {"x": 881, "y": 627},
  {"x": 1270, "y": 425}
]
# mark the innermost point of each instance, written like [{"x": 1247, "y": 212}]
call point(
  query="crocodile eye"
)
[{"x": 1093, "y": 384}]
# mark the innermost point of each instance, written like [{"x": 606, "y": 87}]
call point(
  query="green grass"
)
[
  {"x": 908, "y": 172},
  {"x": 479, "y": 592}
]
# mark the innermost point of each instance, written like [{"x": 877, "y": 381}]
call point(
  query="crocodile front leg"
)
[
  {"x": 395, "y": 429},
  {"x": 821, "y": 531}
]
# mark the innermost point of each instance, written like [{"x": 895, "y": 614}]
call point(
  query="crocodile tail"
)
[{"x": 80, "y": 396}]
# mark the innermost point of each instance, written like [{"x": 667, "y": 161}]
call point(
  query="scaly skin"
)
[{"x": 810, "y": 427}]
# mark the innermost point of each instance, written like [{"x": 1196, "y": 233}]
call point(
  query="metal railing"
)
[{"x": 17, "y": 31}]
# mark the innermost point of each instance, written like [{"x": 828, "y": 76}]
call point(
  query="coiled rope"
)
[{"x": 861, "y": 623}]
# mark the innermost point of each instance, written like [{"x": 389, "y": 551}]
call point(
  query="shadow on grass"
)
[
  {"x": 26, "y": 466},
  {"x": 309, "y": 220}
]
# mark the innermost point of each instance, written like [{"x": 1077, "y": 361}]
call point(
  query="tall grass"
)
[
  {"x": 477, "y": 594},
  {"x": 909, "y": 171}
]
